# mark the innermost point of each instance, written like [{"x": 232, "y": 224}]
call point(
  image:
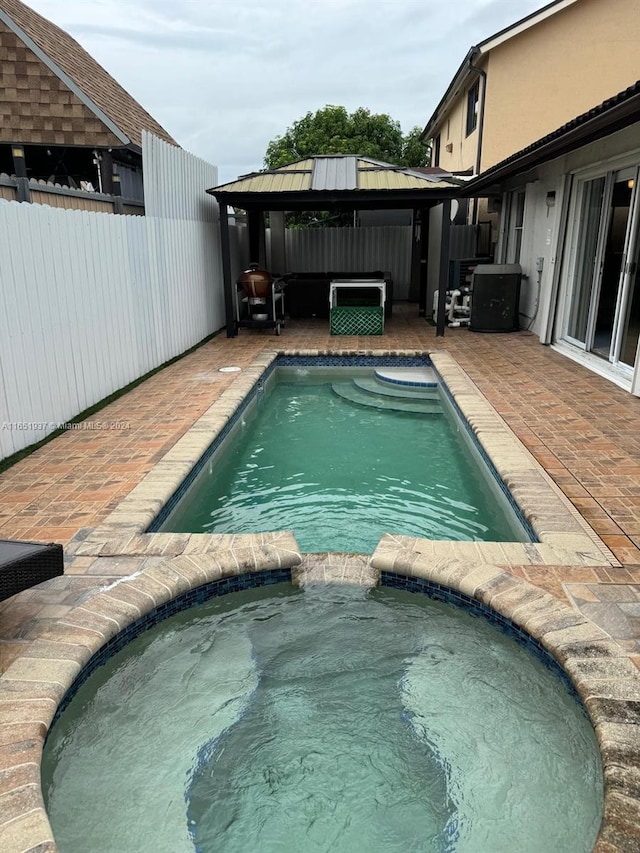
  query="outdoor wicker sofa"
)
[
  {"x": 25, "y": 564},
  {"x": 307, "y": 293}
]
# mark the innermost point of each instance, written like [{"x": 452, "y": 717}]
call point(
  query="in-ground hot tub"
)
[{"x": 330, "y": 718}]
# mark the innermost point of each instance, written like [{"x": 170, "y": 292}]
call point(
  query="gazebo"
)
[{"x": 336, "y": 183}]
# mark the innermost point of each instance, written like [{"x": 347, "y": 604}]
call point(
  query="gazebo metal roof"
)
[{"x": 343, "y": 181}]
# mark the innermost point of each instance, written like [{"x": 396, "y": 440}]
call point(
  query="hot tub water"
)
[{"x": 330, "y": 719}]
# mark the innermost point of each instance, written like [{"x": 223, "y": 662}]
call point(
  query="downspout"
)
[{"x": 474, "y": 53}]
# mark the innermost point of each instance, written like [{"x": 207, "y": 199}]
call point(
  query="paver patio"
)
[{"x": 580, "y": 428}]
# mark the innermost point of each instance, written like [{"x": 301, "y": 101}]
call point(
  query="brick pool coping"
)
[
  {"x": 167, "y": 565},
  {"x": 564, "y": 537}
]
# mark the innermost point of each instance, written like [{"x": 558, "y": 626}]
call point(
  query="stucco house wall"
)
[
  {"x": 462, "y": 156},
  {"x": 554, "y": 70},
  {"x": 558, "y": 69}
]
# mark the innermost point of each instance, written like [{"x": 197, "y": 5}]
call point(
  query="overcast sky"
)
[{"x": 224, "y": 77}]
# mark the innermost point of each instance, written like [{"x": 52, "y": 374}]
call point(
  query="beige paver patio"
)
[{"x": 581, "y": 429}]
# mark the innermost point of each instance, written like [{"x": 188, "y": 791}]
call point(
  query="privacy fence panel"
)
[
  {"x": 89, "y": 302},
  {"x": 462, "y": 241},
  {"x": 353, "y": 250},
  {"x": 176, "y": 182}
]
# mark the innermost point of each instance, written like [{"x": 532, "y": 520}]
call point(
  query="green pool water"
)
[
  {"x": 340, "y": 475},
  {"x": 326, "y": 720}
]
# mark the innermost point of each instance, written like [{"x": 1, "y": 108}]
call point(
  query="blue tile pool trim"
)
[
  {"x": 405, "y": 383},
  {"x": 353, "y": 361},
  {"x": 447, "y": 595},
  {"x": 191, "y": 598}
]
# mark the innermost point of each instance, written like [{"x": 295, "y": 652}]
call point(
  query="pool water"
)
[
  {"x": 340, "y": 475},
  {"x": 331, "y": 719}
]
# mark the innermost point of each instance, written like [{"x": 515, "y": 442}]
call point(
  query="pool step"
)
[
  {"x": 375, "y": 386},
  {"x": 349, "y": 391},
  {"x": 408, "y": 377}
]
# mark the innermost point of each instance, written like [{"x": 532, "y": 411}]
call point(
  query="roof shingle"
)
[{"x": 36, "y": 83}]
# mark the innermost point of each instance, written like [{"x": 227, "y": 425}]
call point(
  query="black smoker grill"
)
[{"x": 259, "y": 300}]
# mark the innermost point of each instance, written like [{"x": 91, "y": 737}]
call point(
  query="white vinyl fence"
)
[
  {"x": 176, "y": 183},
  {"x": 91, "y": 301}
]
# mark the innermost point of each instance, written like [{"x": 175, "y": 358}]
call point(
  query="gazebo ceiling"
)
[{"x": 337, "y": 181}]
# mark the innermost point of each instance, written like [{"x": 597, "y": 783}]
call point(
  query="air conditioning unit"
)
[{"x": 495, "y": 298}]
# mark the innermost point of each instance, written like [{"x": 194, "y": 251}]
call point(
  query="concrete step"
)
[
  {"x": 412, "y": 377},
  {"x": 374, "y": 386},
  {"x": 348, "y": 391}
]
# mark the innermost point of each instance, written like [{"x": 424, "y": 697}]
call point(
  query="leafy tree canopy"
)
[{"x": 332, "y": 130}]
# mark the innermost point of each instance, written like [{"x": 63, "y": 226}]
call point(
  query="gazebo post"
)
[
  {"x": 414, "y": 283},
  {"x": 443, "y": 278},
  {"x": 226, "y": 272},
  {"x": 278, "y": 260},
  {"x": 255, "y": 221},
  {"x": 423, "y": 262}
]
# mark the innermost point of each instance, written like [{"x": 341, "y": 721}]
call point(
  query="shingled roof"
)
[{"x": 53, "y": 92}]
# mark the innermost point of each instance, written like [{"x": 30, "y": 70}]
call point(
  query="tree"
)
[
  {"x": 332, "y": 130},
  {"x": 415, "y": 152}
]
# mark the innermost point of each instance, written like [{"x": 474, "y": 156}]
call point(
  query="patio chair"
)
[{"x": 25, "y": 564}]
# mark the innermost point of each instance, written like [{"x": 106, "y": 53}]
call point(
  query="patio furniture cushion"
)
[{"x": 25, "y": 564}]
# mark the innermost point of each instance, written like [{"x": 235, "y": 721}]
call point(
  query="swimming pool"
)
[
  {"x": 166, "y": 569},
  {"x": 332, "y": 719},
  {"x": 341, "y": 456}
]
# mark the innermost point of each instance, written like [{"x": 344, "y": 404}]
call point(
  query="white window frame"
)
[{"x": 508, "y": 227}]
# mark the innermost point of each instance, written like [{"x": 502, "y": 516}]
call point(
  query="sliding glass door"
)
[
  {"x": 590, "y": 211},
  {"x": 602, "y": 313},
  {"x": 629, "y": 326}
]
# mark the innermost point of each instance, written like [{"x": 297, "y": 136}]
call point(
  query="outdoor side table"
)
[
  {"x": 25, "y": 564},
  {"x": 356, "y": 306}
]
